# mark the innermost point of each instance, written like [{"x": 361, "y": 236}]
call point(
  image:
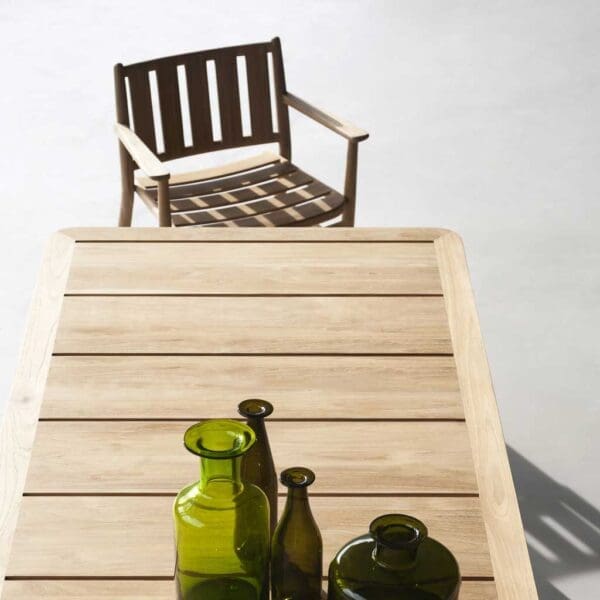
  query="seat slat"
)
[
  {"x": 253, "y": 325},
  {"x": 258, "y": 92},
  {"x": 239, "y": 210},
  {"x": 417, "y": 457},
  {"x": 141, "y": 104},
  {"x": 229, "y": 98},
  {"x": 199, "y": 103},
  {"x": 250, "y": 193},
  {"x": 170, "y": 109},
  {"x": 299, "y": 215},
  {"x": 133, "y": 536}
]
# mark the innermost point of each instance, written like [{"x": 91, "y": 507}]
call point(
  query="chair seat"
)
[{"x": 264, "y": 191}]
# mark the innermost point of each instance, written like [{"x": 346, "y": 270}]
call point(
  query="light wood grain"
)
[
  {"x": 211, "y": 325},
  {"x": 143, "y": 456},
  {"x": 252, "y": 162},
  {"x": 345, "y": 387},
  {"x": 313, "y": 268},
  {"x": 21, "y": 412},
  {"x": 508, "y": 548},
  {"x": 132, "y": 536},
  {"x": 343, "y": 128},
  {"x": 143, "y": 156},
  {"x": 156, "y": 590},
  {"x": 302, "y": 234}
]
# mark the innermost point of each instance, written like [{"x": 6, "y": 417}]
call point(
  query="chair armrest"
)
[
  {"x": 144, "y": 157},
  {"x": 345, "y": 129}
]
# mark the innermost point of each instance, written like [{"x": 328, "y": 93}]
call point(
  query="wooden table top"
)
[{"x": 366, "y": 341}]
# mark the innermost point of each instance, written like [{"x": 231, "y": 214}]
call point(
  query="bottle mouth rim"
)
[
  {"x": 297, "y": 477},
  {"x": 219, "y": 439},
  {"x": 398, "y": 531},
  {"x": 255, "y": 407}
]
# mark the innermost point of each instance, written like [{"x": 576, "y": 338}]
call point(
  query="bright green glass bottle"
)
[
  {"x": 297, "y": 549},
  {"x": 395, "y": 560},
  {"x": 221, "y": 523}
]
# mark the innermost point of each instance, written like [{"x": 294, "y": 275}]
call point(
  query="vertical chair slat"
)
[
  {"x": 229, "y": 98},
  {"x": 199, "y": 102},
  {"x": 170, "y": 109},
  {"x": 141, "y": 107},
  {"x": 283, "y": 118},
  {"x": 259, "y": 93}
]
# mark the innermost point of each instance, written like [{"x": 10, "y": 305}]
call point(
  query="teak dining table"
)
[{"x": 366, "y": 341}]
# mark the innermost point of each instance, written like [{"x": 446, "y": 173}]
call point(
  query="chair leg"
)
[
  {"x": 126, "y": 208},
  {"x": 350, "y": 184},
  {"x": 126, "y": 188},
  {"x": 164, "y": 204}
]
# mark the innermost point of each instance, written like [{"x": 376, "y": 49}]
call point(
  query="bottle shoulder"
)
[{"x": 192, "y": 498}]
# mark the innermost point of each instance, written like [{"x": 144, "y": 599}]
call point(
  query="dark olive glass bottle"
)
[
  {"x": 297, "y": 548},
  {"x": 258, "y": 466},
  {"x": 395, "y": 560}
]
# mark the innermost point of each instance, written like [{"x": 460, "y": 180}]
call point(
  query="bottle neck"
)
[
  {"x": 398, "y": 559},
  {"x": 297, "y": 499},
  {"x": 257, "y": 424},
  {"x": 220, "y": 477}
]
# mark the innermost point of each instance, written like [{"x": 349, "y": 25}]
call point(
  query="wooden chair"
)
[{"x": 265, "y": 190}]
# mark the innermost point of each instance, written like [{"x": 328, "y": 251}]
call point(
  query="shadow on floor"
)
[{"x": 563, "y": 530}]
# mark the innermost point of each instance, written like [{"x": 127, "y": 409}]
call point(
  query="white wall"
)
[{"x": 483, "y": 118}]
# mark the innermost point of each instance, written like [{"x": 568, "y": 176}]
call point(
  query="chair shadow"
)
[{"x": 563, "y": 529}]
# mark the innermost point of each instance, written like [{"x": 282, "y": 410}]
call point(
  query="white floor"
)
[{"x": 484, "y": 118}]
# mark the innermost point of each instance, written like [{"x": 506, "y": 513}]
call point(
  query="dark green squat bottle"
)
[
  {"x": 258, "y": 466},
  {"x": 394, "y": 561},
  {"x": 297, "y": 548}
]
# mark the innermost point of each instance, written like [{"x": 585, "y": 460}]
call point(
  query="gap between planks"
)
[
  {"x": 279, "y": 494},
  {"x": 274, "y": 354},
  {"x": 256, "y": 241},
  {"x": 271, "y": 420},
  {"x": 257, "y": 295}
]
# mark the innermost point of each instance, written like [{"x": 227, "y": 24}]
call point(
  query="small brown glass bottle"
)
[
  {"x": 258, "y": 466},
  {"x": 297, "y": 548}
]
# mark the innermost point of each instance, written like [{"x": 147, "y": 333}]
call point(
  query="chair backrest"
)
[{"x": 210, "y": 86}]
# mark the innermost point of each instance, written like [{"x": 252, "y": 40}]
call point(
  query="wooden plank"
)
[
  {"x": 199, "y": 103},
  {"x": 141, "y": 107},
  {"x": 21, "y": 412},
  {"x": 229, "y": 98},
  {"x": 49, "y": 538},
  {"x": 170, "y": 109},
  {"x": 213, "y": 325},
  {"x": 293, "y": 179},
  {"x": 310, "y": 234},
  {"x": 155, "y": 590},
  {"x": 318, "y": 268},
  {"x": 148, "y": 456},
  {"x": 285, "y": 202},
  {"x": 259, "y": 94},
  {"x": 170, "y": 387},
  {"x": 507, "y": 543}
]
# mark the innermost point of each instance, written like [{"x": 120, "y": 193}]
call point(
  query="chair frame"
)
[{"x": 138, "y": 153}]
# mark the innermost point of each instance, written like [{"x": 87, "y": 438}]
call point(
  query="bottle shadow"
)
[{"x": 563, "y": 529}]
